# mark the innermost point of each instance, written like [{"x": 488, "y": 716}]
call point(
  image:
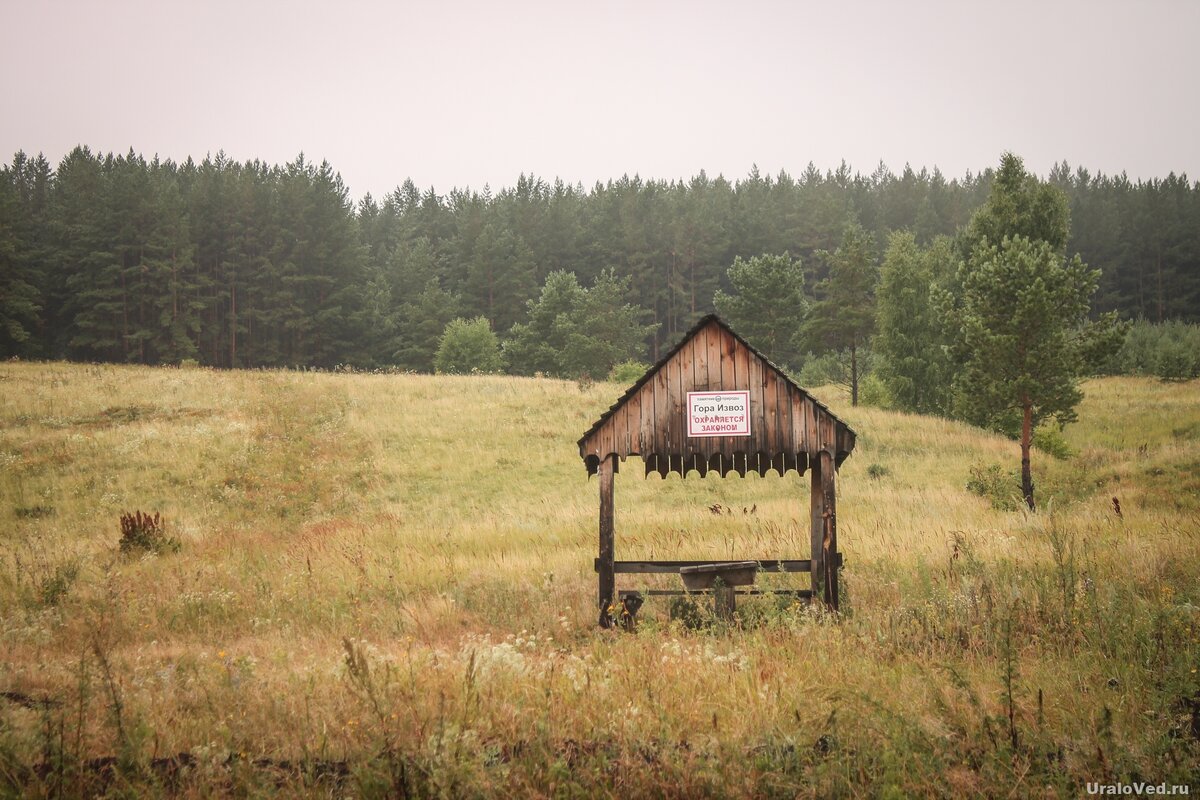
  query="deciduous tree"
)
[{"x": 469, "y": 346}]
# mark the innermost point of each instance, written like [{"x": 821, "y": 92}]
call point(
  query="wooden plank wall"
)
[{"x": 788, "y": 428}]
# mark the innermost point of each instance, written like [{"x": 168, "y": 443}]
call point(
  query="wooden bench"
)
[{"x": 631, "y": 599}]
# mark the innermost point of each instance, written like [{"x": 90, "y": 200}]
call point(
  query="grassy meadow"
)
[{"x": 383, "y": 586}]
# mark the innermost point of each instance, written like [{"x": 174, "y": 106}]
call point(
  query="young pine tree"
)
[
  {"x": 843, "y": 319},
  {"x": 1023, "y": 337},
  {"x": 914, "y": 362}
]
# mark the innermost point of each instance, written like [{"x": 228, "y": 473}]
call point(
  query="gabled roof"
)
[
  {"x": 690, "y": 453},
  {"x": 692, "y": 331}
]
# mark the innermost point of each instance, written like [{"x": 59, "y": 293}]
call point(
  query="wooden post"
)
[
  {"x": 724, "y": 601},
  {"x": 817, "y": 503},
  {"x": 630, "y": 604},
  {"x": 829, "y": 554},
  {"x": 607, "y": 577}
]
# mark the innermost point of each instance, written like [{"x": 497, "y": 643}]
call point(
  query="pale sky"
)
[{"x": 468, "y": 93}]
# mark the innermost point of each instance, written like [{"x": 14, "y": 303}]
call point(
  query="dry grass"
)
[{"x": 385, "y": 581}]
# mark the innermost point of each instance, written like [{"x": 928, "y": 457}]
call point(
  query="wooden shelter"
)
[{"x": 716, "y": 404}]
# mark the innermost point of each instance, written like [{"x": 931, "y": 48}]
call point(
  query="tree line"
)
[{"x": 119, "y": 258}]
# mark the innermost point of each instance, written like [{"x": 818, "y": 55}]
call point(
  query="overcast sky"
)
[{"x": 468, "y": 93}]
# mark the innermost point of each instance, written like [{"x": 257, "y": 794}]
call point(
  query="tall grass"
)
[{"x": 384, "y": 586}]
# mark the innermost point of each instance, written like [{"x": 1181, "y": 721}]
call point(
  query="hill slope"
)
[{"x": 392, "y": 575}]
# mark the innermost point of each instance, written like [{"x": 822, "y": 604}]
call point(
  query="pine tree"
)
[
  {"x": 319, "y": 292},
  {"x": 19, "y": 297},
  {"x": 768, "y": 304},
  {"x": 843, "y": 317},
  {"x": 1019, "y": 205},
  {"x": 32, "y": 180},
  {"x": 174, "y": 323},
  {"x": 1023, "y": 334},
  {"x": 536, "y": 345},
  {"x": 605, "y": 329},
  {"x": 500, "y": 277},
  {"x": 914, "y": 362},
  {"x": 88, "y": 229},
  {"x": 702, "y": 245},
  {"x": 421, "y": 321},
  {"x": 573, "y": 331}
]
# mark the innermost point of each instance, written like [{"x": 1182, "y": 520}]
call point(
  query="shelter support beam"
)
[
  {"x": 829, "y": 559},
  {"x": 605, "y": 564},
  {"x": 823, "y": 505},
  {"x": 817, "y": 507}
]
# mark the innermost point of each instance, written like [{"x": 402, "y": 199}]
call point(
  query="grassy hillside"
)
[{"x": 386, "y": 581}]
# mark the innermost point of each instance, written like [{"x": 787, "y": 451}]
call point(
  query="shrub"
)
[
  {"x": 58, "y": 583},
  {"x": 877, "y": 471},
  {"x": 144, "y": 533},
  {"x": 1051, "y": 442},
  {"x": 33, "y": 512},
  {"x": 872, "y": 391},
  {"x": 468, "y": 346},
  {"x": 1001, "y": 489},
  {"x": 690, "y": 613}
]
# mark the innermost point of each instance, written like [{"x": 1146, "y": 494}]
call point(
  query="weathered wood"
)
[
  {"x": 604, "y": 440},
  {"x": 649, "y": 411},
  {"x": 812, "y": 434},
  {"x": 731, "y": 573},
  {"x": 607, "y": 580},
  {"x": 724, "y": 602},
  {"x": 741, "y": 362},
  {"x": 716, "y": 352},
  {"x": 779, "y": 463},
  {"x": 634, "y": 429},
  {"x": 650, "y": 420},
  {"x": 681, "y": 377},
  {"x": 620, "y": 425},
  {"x": 829, "y": 562},
  {"x": 817, "y": 519},
  {"x": 669, "y": 567},
  {"x": 770, "y": 434},
  {"x": 828, "y": 435},
  {"x": 783, "y": 423},
  {"x": 700, "y": 360},
  {"x": 716, "y": 381},
  {"x": 789, "y": 429},
  {"x": 804, "y": 593},
  {"x": 754, "y": 385},
  {"x": 662, "y": 420},
  {"x": 797, "y": 414}
]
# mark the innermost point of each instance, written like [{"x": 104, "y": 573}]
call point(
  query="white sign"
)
[{"x": 718, "y": 414}]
